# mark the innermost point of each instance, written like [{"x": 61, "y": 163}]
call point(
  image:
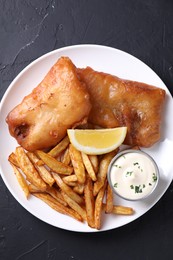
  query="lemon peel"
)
[{"x": 97, "y": 141}]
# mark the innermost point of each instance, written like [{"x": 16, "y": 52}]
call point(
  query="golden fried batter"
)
[
  {"x": 117, "y": 102},
  {"x": 59, "y": 102}
]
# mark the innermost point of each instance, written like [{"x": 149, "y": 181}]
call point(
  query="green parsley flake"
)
[
  {"x": 139, "y": 167},
  {"x": 136, "y": 163},
  {"x": 138, "y": 189},
  {"x": 154, "y": 177},
  {"x": 129, "y": 173},
  {"x": 118, "y": 166},
  {"x": 115, "y": 185}
]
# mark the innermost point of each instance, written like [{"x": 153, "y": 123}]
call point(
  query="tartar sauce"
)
[{"x": 133, "y": 175}]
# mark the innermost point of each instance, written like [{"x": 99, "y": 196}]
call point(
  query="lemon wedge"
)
[{"x": 97, "y": 141}]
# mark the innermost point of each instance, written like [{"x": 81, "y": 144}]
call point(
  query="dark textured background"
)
[{"x": 29, "y": 29}]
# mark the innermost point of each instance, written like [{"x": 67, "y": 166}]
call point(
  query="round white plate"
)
[{"x": 104, "y": 59}]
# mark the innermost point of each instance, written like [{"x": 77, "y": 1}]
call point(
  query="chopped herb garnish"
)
[
  {"x": 136, "y": 163},
  {"x": 116, "y": 165},
  {"x": 115, "y": 185},
  {"x": 139, "y": 167},
  {"x": 150, "y": 184},
  {"x": 124, "y": 157},
  {"x": 138, "y": 189},
  {"x": 154, "y": 177},
  {"x": 129, "y": 173}
]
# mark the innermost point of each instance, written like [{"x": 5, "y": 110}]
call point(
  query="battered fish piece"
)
[
  {"x": 117, "y": 102},
  {"x": 59, "y": 102}
]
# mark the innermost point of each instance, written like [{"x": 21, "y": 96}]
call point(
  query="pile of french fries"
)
[{"x": 69, "y": 181}]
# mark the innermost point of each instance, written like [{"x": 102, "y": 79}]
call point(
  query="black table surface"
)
[{"x": 31, "y": 28}]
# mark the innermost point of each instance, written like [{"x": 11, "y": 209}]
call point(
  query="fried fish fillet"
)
[
  {"x": 117, "y": 102},
  {"x": 59, "y": 102}
]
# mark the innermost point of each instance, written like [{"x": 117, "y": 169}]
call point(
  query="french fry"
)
[
  {"x": 59, "y": 147},
  {"x": 74, "y": 205},
  {"x": 75, "y": 187},
  {"x": 95, "y": 162},
  {"x": 44, "y": 173},
  {"x": 70, "y": 183},
  {"x": 28, "y": 169},
  {"x": 59, "y": 157},
  {"x": 64, "y": 187},
  {"x": 88, "y": 166},
  {"x": 109, "y": 199},
  {"x": 55, "y": 193},
  {"x": 98, "y": 206},
  {"x": 12, "y": 159},
  {"x": 50, "y": 190},
  {"x": 40, "y": 162},
  {"x": 54, "y": 204},
  {"x": 53, "y": 164},
  {"x": 120, "y": 210},
  {"x": 89, "y": 202},
  {"x": 66, "y": 157},
  {"x": 79, "y": 188},
  {"x": 102, "y": 173},
  {"x": 70, "y": 178},
  {"x": 77, "y": 163},
  {"x": 21, "y": 180},
  {"x": 34, "y": 189}
]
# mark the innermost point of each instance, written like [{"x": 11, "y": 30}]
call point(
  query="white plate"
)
[{"x": 102, "y": 59}]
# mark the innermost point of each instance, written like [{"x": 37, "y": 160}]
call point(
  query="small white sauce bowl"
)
[{"x": 123, "y": 153}]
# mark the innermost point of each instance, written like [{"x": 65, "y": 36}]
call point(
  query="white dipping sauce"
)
[{"x": 133, "y": 175}]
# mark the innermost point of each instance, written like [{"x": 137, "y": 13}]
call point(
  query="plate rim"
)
[{"x": 37, "y": 60}]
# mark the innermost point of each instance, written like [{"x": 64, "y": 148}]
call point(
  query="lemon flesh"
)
[{"x": 97, "y": 141}]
